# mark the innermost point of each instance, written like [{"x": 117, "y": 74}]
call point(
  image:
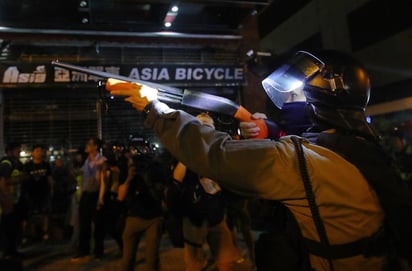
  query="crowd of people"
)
[
  {"x": 334, "y": 200},
  {"x": 27, "y": 192},
  {"x": 112, "y": 191}
]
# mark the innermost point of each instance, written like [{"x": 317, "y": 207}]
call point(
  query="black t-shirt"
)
[{"x": 37, "y": 184}]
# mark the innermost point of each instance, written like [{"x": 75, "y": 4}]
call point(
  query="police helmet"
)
[
  {"x": 335, "y": 85},
  {"x": 342, "y": 83}
]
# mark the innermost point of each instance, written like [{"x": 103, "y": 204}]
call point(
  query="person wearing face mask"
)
[
  {"x": 292, "y": 119},
  {"x": 335, "y": 180}
]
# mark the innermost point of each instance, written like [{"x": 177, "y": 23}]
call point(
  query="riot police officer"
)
[{"x": 338, "y": 210}]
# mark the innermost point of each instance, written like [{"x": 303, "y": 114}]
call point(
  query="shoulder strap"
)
[{"x": 320, "y": 227}]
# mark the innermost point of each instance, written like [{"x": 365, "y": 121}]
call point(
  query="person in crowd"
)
[
  {"x": 38, "y": 189},
  {"x": 239, "y": 221},
  {"x": 402, "y": 153},
  {"x": 143, "y": 193},
  {"x": 76, "y": 176},
  {"x": 92, "y": 201},
  {"x": 338, "y": 210},
  {"x": 62, "y": 185},
  {"x": 204, "y": 219},
  {"x": 13, "y": 210},
  {"x": 117, "y": 172}
]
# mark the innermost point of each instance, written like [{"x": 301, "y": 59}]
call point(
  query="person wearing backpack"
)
[{"x": 342, "y": 208}]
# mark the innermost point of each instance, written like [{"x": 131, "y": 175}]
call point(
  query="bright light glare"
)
[
  {"x": 175, "y": 8},
  {"x": 296, "y": 84},
  {"x": 168, "y": 24}
]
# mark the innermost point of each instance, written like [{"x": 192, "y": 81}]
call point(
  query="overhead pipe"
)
[{"x": 161, "y": 34}]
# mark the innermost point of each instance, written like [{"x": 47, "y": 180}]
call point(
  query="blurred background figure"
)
[
  {"x": 13, "y": 209},
  {"x": 76, "y": 176},
  {"x": 117, "y": 172},
  {"x": 92, "y": 202},
  {"x": 38, "y": 190},
  {"x": 239, "y": 221},
  {"x": 402, "y": 153},
  {"x": 204, "y": 222},
  {"x": 143, "y": 192},
  {"x": 62, "y": 186}
]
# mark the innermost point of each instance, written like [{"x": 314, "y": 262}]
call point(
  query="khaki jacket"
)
[{"x": 269, "y": 169}]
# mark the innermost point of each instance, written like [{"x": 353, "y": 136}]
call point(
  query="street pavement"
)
[
  {"x": 56, "y": 256},
  {"x": 52, "y": 256}
]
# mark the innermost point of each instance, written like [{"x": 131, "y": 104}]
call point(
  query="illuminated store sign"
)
[{"x": 179, "y": 75}]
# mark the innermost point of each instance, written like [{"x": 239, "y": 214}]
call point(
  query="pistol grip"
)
[{"x": 243, "y": 115}]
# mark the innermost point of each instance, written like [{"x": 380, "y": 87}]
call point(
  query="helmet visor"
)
[{"x": 291, "y": 76}]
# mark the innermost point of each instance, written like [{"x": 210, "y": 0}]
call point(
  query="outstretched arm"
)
[{"x": 245, "y": 166}]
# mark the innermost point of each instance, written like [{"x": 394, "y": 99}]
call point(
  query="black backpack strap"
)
[
  {"x": 320, "y": 227},
  {"x": 340, "y": 251}
]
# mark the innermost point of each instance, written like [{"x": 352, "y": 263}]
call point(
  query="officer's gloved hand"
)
[
  {"x": 137, "y": 94},
  {"x": 249, "y": 129}
]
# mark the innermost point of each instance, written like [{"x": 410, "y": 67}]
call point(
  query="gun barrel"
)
[
  {"x": 186, "y": 97},
  {"x": 162, "y": 88}
]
